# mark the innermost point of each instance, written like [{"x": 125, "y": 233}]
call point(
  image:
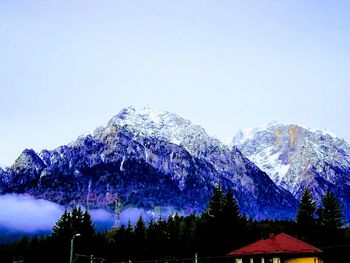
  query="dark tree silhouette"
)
[
  {"x": 331, "y": 217},
  {"x": 305, "y": 218},
  {"x": 62, "y": 228},
  {"x": 140, "y": 235},
  {"x": 215, "y": 203}
]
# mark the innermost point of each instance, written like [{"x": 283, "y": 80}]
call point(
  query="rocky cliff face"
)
[
  {"x": 146, "y": 159},
  {"x": 295, "y": 158}
]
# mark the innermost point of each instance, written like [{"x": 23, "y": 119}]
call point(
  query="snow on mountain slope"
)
[
  {"x": 295, "y": 158},
  {"x": 147, "y": 158},
  {"x": 145, "y": 122}
]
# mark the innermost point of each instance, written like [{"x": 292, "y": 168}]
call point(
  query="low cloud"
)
[
  {"x": 24, "y": 213},
  {"x": 101, "y": 215},
  {"x": 132, "y": 214}
]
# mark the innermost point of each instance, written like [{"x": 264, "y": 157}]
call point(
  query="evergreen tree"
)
[
  {"x": 140, "y": 236},
  {"x": 61, "y": 235},
  {"x": 222, "y": 222},
  {"x": 211, "y": 226},
  {"x": 77, "y": 220},
  {"x": 173, "y": 233},
  {"x": 123, "y": 245},
  {"x": 184, "y": 230},
  {"x": 72, "y": 223},
  {"x": 152, "y": 235},
  {"x": 215, "y": 203},
  {"x": 87, "y": 229},
  {"x": 161, "y": 227},
  {"x": 331, "y": 217},
  {"x": 230, "y": 210},
  {"x": 129, "y": 227},
  {"x": 140, "y": 229},
  {"x": 305, "y": 218},
  {"x": 232, "y": 223},
  {"x": 63, "y": 227}
]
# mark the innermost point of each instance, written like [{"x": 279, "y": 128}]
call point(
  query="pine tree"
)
[
  {"x": 123, "y": 245},
  {"x": 222, "y": 221},
  {"x": 305, "y": 218},
  {"x": 211, "y": 228},
  {"x": 63, "y": 227},
  {"x": 140, "y": 236},
  {"x": 77, "y": 220},
  {"x": 215, "y": 203},
  {"x": 72, "y": 223},
  {"x": 173, "y": 231},
  {"x": 152, "y": 236},
  {"x": 62, "y": 233},
  {"x": 331, "y": 217},
  {"x": 87, "y": 228},
  {"x": 230, "y": 210},
  {"x": 66, "y": 227},
  {"x": 140, "y": 229},
  {"x": 232, "y": 223},
  {"x": 187, "y": 238}
]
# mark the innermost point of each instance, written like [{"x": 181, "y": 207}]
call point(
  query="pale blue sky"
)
[{"x": 67, "y": 67}]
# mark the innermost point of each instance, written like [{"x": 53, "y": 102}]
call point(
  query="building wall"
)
[
  {"x": 292, "y": 260},
  {"x": 304, "y": 260}
]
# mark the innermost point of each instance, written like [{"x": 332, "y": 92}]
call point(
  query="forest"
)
[{"x": 207, "y": 237}]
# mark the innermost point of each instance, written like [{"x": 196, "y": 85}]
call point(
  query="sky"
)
[{"x": 67, "y": 67}]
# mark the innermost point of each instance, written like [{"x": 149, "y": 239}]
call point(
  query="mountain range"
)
[{"x": 146, "y": 159}]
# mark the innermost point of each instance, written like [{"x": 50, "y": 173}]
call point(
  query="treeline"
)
[{"x": 217, "y": 231}]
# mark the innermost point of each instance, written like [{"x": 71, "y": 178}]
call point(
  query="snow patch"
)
[
  {"x": 176, "y": 141},
  {"x": 121, "y": 168},
  {"x": 145, "y": 122},
  {"x": 270, "y": 162}
]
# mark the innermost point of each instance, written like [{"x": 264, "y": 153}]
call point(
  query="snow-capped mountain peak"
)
[
  {"x": 246, "y": 134},
  {"x": 145, "y": 122},
  {"x": 295, "y": 157},
  {"x": 146, "y": 158}
]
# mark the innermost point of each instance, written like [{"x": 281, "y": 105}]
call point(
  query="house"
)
[{"x": 280, "y": 248}]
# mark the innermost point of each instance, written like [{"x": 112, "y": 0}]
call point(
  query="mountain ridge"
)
[
  {"x": 295, "y": 157},
  {"x": 147, "y": 158}
]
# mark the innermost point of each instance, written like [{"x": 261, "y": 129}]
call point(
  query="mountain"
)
[
  {"x": 146, "y": 159},
  {"x": 295, "y": 158}
]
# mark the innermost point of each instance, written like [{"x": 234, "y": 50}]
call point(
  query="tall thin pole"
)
[
  {"x": 72, "y": 247},
  {"x": 71, "y": 250}
]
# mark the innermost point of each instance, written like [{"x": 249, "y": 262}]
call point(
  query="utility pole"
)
[{"x": 196, "y": 258}]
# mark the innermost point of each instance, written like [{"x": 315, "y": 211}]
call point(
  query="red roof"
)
[{"x": 277, "y": 244}]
